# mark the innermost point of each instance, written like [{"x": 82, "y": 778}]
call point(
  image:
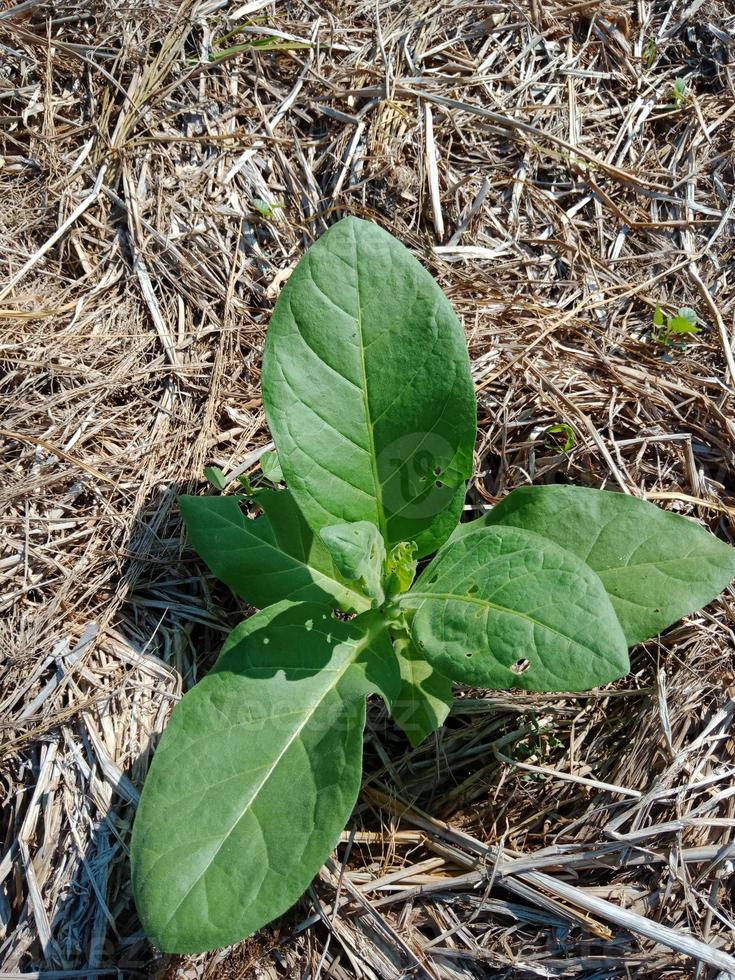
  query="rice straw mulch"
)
[{"x": 163, "y": 168}]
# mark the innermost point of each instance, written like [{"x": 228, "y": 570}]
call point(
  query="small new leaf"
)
[
  {"x": 568, "y": 440},
  {"x": 684, "y": 322},
  {"x": 358, "y": 552},
  {"x": 400, "y": 568},
  {"x": 648, "y": 55},
  {"x": 249, "y": 491},
  {"x": 259, "y": 204},
  {"x": 215, "y": 476},
  {"x": 678, "y": 92}
]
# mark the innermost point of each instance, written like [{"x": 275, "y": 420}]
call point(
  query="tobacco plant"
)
[{"x": 368, "y": 394}]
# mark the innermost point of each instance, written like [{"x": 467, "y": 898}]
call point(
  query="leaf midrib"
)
[
  {"x": 270, "y": 769},
  {"x": 382, "y": 522}
]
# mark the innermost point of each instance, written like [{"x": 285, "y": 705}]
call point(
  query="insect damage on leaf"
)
[{"x": 369, "y": 397}]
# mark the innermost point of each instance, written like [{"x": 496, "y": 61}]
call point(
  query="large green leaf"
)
[
  {"x": 367, "y": 389},
  {"x": 656, "y": 566},
  {"x": 256, "y": 775},
  {"x": 273, "y": 557},
  {"x": 503, "y": 607},
  {"x": 358, "y": 551},
  {"x": 425, "y": 697}
]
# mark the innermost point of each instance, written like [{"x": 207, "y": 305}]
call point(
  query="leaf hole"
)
[
  {"x": 468, "y": 654},
  {"x": 437, "y": 471},
  {"x": 520, "y": 666},
  {"x": 473, "y": 589},
  {"x": 438, "y": 484}
]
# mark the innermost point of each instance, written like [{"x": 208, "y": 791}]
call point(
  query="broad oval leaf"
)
[
  {"x": 367, "y": 389},
  {"x": 267, "y": 559},
  {"x": 656, "y": 566},
  {"x": 358, "y": 552},
  {"x": 425, "y": 697},
  {"x": 503, "y": 607},
  {"x": 256, "y": 775}
]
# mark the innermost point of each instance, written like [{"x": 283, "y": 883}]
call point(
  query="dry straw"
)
[{"x": 162, "y": 170}]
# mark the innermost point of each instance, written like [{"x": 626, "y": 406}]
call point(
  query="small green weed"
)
[
  {"x": 679, "y": 94},
  {"x": 684, "y": 322},
  {"x": 648, "y": 55},
  {"x": 560, "y": 437},
  {"x": 264, "y": 208}
]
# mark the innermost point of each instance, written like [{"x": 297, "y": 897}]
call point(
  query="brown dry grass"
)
[{"x": 530, "y": 155}]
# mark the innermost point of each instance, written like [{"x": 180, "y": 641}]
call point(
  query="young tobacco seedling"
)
[{"x": 369, "y": 397}]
